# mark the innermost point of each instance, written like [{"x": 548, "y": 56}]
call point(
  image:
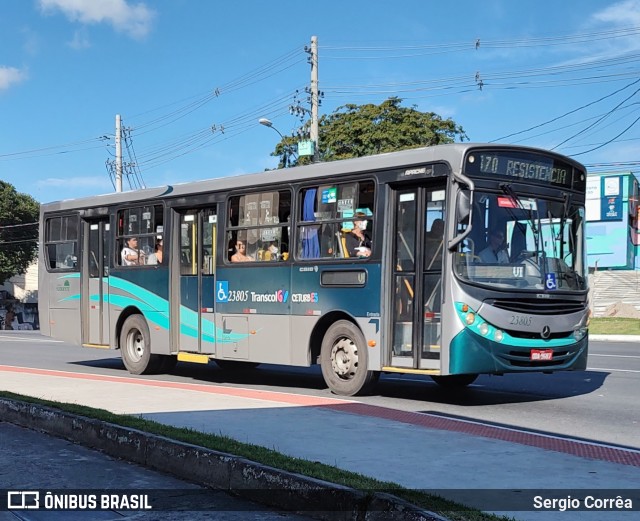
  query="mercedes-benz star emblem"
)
[{"x": 546, "y": 332}]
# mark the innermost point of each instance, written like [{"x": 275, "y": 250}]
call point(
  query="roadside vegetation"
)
[
  {"x": 614, "y": 326},
  {"x": 445, "y": 508}
]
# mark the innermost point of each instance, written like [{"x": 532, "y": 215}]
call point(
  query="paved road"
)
[
  {"x": 596, "y": 405},
  {"x": 414, "y": 448}
]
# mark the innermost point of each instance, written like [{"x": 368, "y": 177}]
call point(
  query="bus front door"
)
[
  {"x": 196, "y": 253},
  {"x": 95, "y": 283},
  {"x": 416, "y": 276}
]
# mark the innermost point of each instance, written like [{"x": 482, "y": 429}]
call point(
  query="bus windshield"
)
[{"x": 523, "y": 242}]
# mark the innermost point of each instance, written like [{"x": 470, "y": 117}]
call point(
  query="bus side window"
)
[{"x": 326, "y": 215}]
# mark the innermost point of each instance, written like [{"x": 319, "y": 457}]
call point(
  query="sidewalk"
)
[
  {"x": 635, "y": 339},
  {"x": 31, "y": 460},
  {"x": 415, "y": 450}
]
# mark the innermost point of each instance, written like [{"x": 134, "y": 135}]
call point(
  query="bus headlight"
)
[
  {"x": 470, "y": 318},
  {"x": 498, "y": 336},
  {"x": 483, "y": 328},
  {"x": 580, "y": 333}
]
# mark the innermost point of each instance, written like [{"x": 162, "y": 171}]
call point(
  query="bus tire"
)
[
  {"x": 135, "y": 347},
  {"x": 344, "y": 360},
  {"x": 455, "y": 381}
]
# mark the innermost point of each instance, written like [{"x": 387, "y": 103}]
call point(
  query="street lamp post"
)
[{"x": 285, "y": 156}]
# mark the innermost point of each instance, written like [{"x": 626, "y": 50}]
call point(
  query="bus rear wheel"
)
[
  {"x": 135, "y": 347},
  {"x": 455, "y": 381},
  {"x": 344, "y": 360}
]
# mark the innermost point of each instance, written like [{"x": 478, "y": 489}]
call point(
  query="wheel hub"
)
[
  {"x": 344, "y": 358},
  {"x": 135, "y": 345}
]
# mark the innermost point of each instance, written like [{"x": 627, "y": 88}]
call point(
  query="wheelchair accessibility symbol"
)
[
  {"x": 222, "y": 291},
  {"x": 550, "y": 281}
]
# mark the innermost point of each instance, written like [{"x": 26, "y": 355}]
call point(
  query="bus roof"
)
[{"x": 452, "y": 153}]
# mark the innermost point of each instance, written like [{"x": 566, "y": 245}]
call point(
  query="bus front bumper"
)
[{"x": 472, "y": 353}]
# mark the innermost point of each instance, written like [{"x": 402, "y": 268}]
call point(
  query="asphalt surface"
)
[{"x": 493, "y": 468}]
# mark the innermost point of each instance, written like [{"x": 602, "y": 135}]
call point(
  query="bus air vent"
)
[{"x": 539, "y": 306}]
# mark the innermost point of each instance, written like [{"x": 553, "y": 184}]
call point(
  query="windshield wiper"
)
[{"x": 535, "y": 228}]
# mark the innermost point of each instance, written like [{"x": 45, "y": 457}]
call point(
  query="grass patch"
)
[
  {"x": 446, "y": 508},
  {"x": 614, "y": 326}
]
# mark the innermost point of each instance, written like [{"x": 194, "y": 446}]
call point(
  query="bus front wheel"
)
[
  {"x": 135, "y": 347},
  {"x": 455, "y": 381},
  {"x": 344, "y": 360}
]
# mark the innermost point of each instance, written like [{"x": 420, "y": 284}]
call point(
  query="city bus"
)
[{"x": 449, "y": 261}]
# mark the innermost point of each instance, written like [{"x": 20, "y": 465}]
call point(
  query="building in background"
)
[
  {"x": 19, "y": 301},
  {"x": 613, "y": 221}
]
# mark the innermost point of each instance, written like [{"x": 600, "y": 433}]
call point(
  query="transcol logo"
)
[{"x": 280, "y": 296}]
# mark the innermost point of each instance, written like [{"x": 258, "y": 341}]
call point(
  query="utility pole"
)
[
  {"x": 314, "y": 96},
  {"x": 118, "y": 154}
]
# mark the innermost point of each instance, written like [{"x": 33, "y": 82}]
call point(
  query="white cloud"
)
[
  {"x": 10, "y": 76},
  {"x": 626, "y": 13},
  {"x": 134, "y": 20}
]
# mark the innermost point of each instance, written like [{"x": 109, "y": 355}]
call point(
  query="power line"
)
[
  {"x": 602, "y": 118},
  {"x": 3, "y": 226},
  {"x": 479, "y": 43},
  {"x": 573, "y": 111},
  {"x": 53, "y": 150},
  {"x": 609, "y": 141},
  {"x": 3, "y": 243}
]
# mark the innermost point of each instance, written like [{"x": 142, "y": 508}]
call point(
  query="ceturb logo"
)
[
  {"x": 280, "y": 296},
  {"x": 65, "y": 287},
  {"x": 304, "y": 297}
]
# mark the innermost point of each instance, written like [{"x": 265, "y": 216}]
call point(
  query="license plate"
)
[{"x": 541, "y": 355}]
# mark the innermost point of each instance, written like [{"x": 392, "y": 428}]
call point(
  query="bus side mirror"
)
[{"x": 463, "y": 216}]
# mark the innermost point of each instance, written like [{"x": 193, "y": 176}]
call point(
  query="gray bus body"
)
[{"x": 421, "y": 300}]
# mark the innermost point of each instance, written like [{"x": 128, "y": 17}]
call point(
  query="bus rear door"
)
[
  {"x": 195, "y": 274},
  {"x": 95, "y": 283},
  {"x": 416, "y": 276}
]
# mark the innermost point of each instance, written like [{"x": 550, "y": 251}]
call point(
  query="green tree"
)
[
  {"x": 19, "y": 215},
  {"x": 363, "y": 130}
]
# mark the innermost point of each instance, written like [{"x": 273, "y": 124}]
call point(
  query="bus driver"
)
[{"x": 495, "y": 252}]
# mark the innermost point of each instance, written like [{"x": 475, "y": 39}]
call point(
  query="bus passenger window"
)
[
  {"x": 258, "y": 226},
  {"x": 335, "y": 221}
]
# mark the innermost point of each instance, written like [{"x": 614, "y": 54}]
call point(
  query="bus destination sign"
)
[{"x": 525, "y": 167}]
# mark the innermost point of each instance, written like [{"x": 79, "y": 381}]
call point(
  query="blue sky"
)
[{"x": 191, "y": 78}]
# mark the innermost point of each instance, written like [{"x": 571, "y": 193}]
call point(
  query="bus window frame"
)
[
  {"x": 47, "y": 242},
  {"x": 116, "y": 237},
  {"x": 336, "y": 221},
  {"x": 230, "y": 233}
]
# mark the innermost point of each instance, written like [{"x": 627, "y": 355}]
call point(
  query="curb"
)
[
  {"x": 235, "y": 475},
  {"x": 615, "y": 338}
]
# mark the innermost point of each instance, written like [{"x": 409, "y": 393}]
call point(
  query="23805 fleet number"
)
[
  {"x": 238, "y": 296},
  {"x": 520, "y": 320}
]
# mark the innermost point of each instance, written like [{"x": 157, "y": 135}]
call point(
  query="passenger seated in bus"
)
[
  {"x": 131, "y": 255},
  {"x": 358, "y": 242},
  {"x": 272, "y": 252},
  {"x": 434, "y": 244},
  {"x": 156, "y": 256},
  {"x": 495, "y": 252},
  {"x": 241, "y": 253}
]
